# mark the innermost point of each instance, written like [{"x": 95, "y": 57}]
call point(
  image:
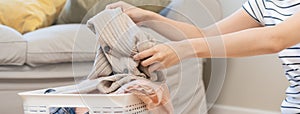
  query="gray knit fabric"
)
[
  {"x": 112, "y": 83},
  {"x": 101, "y": 67},
  {"x": 119, "y": 38},
  {"x": 115, "y": 71}
]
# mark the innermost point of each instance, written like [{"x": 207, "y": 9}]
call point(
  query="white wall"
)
[
  {"x": 229, "y": 6},
  {"x": 254, "y": 82}
]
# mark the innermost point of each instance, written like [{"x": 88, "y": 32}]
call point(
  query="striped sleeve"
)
[{"x": 255, "y": 9}]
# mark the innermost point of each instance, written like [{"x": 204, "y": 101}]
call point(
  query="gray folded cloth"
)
[
  {"x": 115, "y": 71},
  {"x": 101, "y": 67},
  {"x": 113, "y": 83},
  {"x": 120, "y": 38},
  {"x": 86, "y": 86}
]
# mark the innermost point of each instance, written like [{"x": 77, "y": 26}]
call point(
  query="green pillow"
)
[{"x": 76, "y": 10}]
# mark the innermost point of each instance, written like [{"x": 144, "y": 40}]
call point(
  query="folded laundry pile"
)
[{"x": 115, "y": 71}]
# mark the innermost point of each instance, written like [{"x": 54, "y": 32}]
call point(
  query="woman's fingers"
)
[
  {"x": 113, "y": 5},
  {"x": 123, "y": 5},
  {"x": 162, "y": 54},
  {"x": 149, "y": 61},
  {"x": 153, "y": 55},
  {"x": 144, "y": 54}
]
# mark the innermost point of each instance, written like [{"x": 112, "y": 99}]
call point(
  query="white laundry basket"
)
[{"x": 36, "y": 102}]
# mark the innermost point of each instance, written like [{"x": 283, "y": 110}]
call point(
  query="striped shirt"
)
[{"x": 271, "y": 13}]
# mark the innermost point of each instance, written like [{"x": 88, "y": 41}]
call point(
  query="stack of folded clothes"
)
[{"x": 115, "y": 71}]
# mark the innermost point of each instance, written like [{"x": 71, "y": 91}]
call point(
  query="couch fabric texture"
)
[
  {"x": 12, "y": 47},
  {"x": 60, "y": 43}
]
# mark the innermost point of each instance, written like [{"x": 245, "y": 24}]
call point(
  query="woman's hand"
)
[
  {"x": 138, "y": 15},
  {"x": 163, "y": 55},
  {"x": 158, "y": 57}
]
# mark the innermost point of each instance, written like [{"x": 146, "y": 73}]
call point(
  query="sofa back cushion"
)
[
  {"x": 12, "y": 47},
  {"x": 75, "y": 10},
  {"x": 197, "y": 12},
  {"x": 185, "y": 79},
  {"x": 60, "y": 43}
]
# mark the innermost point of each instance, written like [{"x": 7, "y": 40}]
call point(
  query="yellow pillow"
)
[
  {"x": 29, "y": 15},
  {"x": 59, "y": 5}
]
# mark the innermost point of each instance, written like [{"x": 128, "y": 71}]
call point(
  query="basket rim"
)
[
  {"x": 40, "y": 92},
  {"x": 28, "y": 93}
]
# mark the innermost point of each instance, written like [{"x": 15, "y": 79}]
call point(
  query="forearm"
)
[
  {"x": 249, "y": 42},
  {"x": 252, "y": 40},
  {"x": 174, "y": 30}
]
